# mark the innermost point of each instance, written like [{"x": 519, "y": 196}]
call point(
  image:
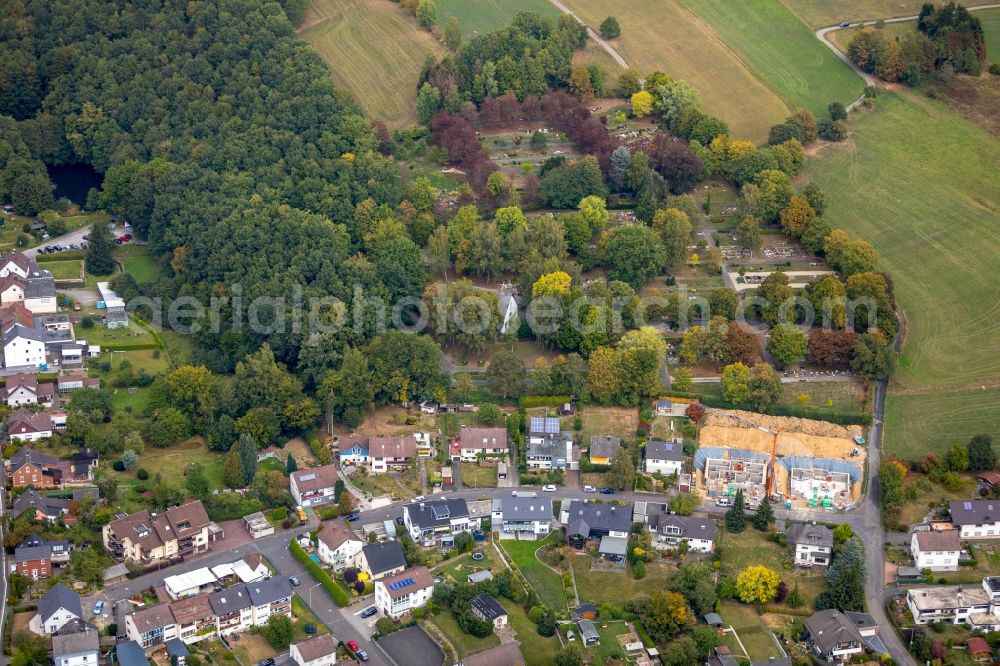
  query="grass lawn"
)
[
  {"x": 178, "y": 346},
  {"x": 216, "y": 650},
  {"x": 537, "y": 650},
  {"x": 608, "y": 648},
  {"x": 614, "y": 589},
  {"x": 450, "y": 423},
  {"x": 474, "y": 476},
  {"x": 173, "y": 461},
  {"x": 460, "y": 568},
  {"x": 661, "y": 425},
  {"x": 132, "y": 335},
  {"x": 751, "y": 630},
  {"x": 668, "y": 37},
  {"x": 825, "y": 396},
  {"x": 594, "y": 54},
  {"x": 819, "y": 13},
  {"x": 252, "y": 649},
  {"x": 990, "y": 18},
  {"x": 739, "y": 551},
  {"x": 918, "y": 181},
  {"x": 783, "y": 52},
  {"x": 464, "y": 643},
  {"x": 64, "y": 270},
  {"x": 546, "y": 583},
  {"x": 133, "y": 401},
  {"x": 138, "y": 261},
  {"x": 374, "y": 50},
  {"x": 304, "y": 616},
  {"x": 479, "y": 16},
  {"x": 381, "y": 484},
  {"x": 615, "y": 421}
]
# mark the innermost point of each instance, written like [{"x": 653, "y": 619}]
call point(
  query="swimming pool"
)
[{"x": 315, "y": 558}]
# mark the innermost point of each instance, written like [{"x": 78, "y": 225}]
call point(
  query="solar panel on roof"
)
[
  {"x": 967, "y": 506},
  {"x": 307, "y": 477},
  {"x": 400, "y": 584}
]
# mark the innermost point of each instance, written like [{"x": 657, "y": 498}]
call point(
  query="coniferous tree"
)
[
  {"x": 847, "y": 577},
  {"x": 99, "y": 259},
  {"x": 247, "y": 453},
  {"x": 290, "y": 464},
  {"x": 764, "y": 516},
  {"x": 232, "y": 473},
  {"x": 736, "y": 519}
]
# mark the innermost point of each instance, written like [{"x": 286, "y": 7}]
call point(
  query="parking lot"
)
[{"x": 412, "y": 647}]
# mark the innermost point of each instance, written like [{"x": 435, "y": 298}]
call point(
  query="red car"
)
[{"x": 352, "y": 646}]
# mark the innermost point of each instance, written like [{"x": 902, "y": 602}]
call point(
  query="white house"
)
[
  {"x": 78, "y": 649},
  {"x": 936, "y": 550},
  {"x": 313, "y": 485},
  {"x": 382, "y": 559},
  {"x": 666, "y": 458},
  {"x": 671, "y": 530},
  {"x": 353, "y": 450},
  {"x": 28, "y": 426},
  {"x": 813, "y": 544},
  {"x": 833, "y": 636},
  {"x": 550, "y": 451},
  {"x": 316, "y": 651},
  {"x": 522, "y": 517},
  {"x": 23, "y": 347},
  {"x": 385, "y": 453},
  {"x": 441, "y": 519},
  {"x": 976, "y": 519},
  {"x": 952, "y": 604},
  {"x": 474, "y": 442},
  {"x": 59, "y": 605},
  {"x": 16, "y": 263},
  {"x": 24, "y": 389},
  {"x": 403, "y": 592},
  {"x": 338, "y": 547}
]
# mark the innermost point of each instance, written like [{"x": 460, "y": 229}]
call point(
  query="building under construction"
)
[
  {"x": 820, "y": 487},
  {"x": 724, "y": 476}
]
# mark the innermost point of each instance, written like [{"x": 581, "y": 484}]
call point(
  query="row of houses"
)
[
  {"x": 382, "y": 454},
  {"x": 23, "y": 390},
  {"x": 146, "y": 538},
  {"x": 28, "y": 467}
]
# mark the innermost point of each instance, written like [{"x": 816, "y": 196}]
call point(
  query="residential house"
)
[
  {"x": 385, "y": 453},
  {"x": 666, "y": 458},
  {"x": 338, "y": 547},
  {"x": 233, "y": 609},
  {"x": 72, "y": 382},
  {"x": 16, "y": 263},
  {"x": 316, "y": 651},
  {"x": 594, "y": 520},
  {"x": 131, "y": 653},
  {"x": 28, "y": 467},
  {"x": 550, "y": 451},
  {"x": 45, "y": 508},
  {"x": 25, "y": 426},
  {"x": 869, "y": 630},
  {"x": 488, "y": 609},
  {"x": 382, "y": 559},
  {"x": 77, "y": 649},
  {"x": 194, "y": 618},
  {"x": 24, "y": 389},
  {"x": 353, "y": 449},
  {"x": 977, "y": 607},
  {"x": 405, "y": 591},
  {"x": 832, "y": 636},
  {"x": 603, "y": 448},
  {"x": 671, "y": 530},
  {"x": 936, "y": 550},
  {"x": 508, "y": 308},
  {"x": 35, "y": 558},
  {"x": 522, "y": 517},
  {"x": 271, "y": 596},
  {"x": 190, "y": 583},
  {"x": 57, "y": 607},
  {"x": 11, "y": 290},
  {"x": 23, "y": 347},
  {"x": 40, "y": 291},
  {"x": 151, "y": 626},
  {"x": 314, "y": 485},
  {"x": 813, "y": 544},
  {"x": 976, "y": 519},
  {"x": 143, "y": 537},
  {"x": 430, "y": 521},
  {"x": 476, "y": 442}
]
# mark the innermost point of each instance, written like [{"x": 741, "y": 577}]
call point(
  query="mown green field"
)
[
  {"x": 670, "y": 38},
  {"x": 932, "y": 421},
  {"x": 919, "y": 182},
  {"x": 991, "y": 28},
  {"x": 374, "y": 50},
  {"x": 819, "y": 13},
  {"x": 782, "y": 51},
  {"x": 479, "y": 16}
]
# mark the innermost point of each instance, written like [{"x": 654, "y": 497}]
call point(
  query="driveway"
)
[{"x": 65, "y": 239}]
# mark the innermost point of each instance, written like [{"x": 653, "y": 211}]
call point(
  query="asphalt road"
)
[{"x": 66, "y": 239}]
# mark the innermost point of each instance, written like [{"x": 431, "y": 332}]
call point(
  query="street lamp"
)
[{"x": 311, "y": 594}]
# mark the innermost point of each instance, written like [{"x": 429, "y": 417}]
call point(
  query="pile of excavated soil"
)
[{"x": 737, "y": 418}]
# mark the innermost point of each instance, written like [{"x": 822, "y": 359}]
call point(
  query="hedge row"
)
[
  {"x": 529, "y": 401},
  {"x": 840, "y": 418},
  {"x": 61, "y": 256},
  {"x": 130, "y": 347},
  {"x": 320, "y": 574}
]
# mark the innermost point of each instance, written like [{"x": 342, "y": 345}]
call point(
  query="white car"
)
[
  {"x": 418, "y": 498},
  {"x": 589, "y": 489},
  {"x": 548, "y": 489},
  {"x": 724, "y": 501}
]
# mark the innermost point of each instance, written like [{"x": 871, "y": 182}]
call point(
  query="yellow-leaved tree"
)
[{"x": 757, "y": 584}]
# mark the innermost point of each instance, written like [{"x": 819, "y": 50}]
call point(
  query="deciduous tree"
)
[{"x": 757, "y": 584}]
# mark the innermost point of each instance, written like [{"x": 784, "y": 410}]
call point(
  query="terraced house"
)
[{"x": 146, "y": 537}]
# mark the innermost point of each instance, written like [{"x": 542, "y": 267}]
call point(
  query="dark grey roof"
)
[
  {"x": 587, "y": 629},
  {"x": 29, "y": 553},
  {"x": 19, "y": 330},
  {"x": 691, "y": 527},
  {"x": 40, "y": 285},
  {"x": 974, "y": 512},
  {"x": 604, "y": 446},
  {"x": 600, "y": 517},
  {"x": 437, "y": 513},
  {"x": 384, "y": 556},
  {"x": 131, "y": 654},
  {"x": 613, "y": 546},
  {"x": 269, "y": 590},
  {"x": 830, "y": 628},
  {"x": 489, "y": 607},
  {"x": 861, "y": 619},
  {"x": 230, "y": 600},
  {"x": 75, "y": 626},
  {"x": 779, "y": 661},
  {"x": 59, "y": 596},
  {"x": 176, "y": 648},
  {"x": 65, "y": 645},
  {"x": 526, "y": 508},
  {"x": 659, "y": 450},
  {"x": 26, "y": 454},
  {"x": 812, "y": 535},
  {"x": 550, "y": 446},
  {"x": 31, "y": 499}
]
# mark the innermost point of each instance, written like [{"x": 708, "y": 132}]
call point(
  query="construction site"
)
[{"x": 799, "y": 462}]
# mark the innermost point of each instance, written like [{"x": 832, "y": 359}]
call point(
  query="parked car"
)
[
  {"x": 362, "y": 655},
  {"x": 607, "y": 490},
  {"x": 548, "y": 489},
  {"x": 352, "y": 646},
  {"x": 351, "y": 517},
  {"x": 119, "y": 241},
  {"x": 368, "y": 612},
  {"x": 845, "y": 24},
  {"x": 400, "y": 521},
  {"x": 724, "y": 501},
  {"x": 589, "y": 489},
  {"x": 83, "y": 246},
  {"x": 570, "y": 636},
  {"x": 418, "y": 498},
  {"x": 267, "y": 662},
  {"x": 294, "y": 580},
  {"x": 98, "y": 607}
]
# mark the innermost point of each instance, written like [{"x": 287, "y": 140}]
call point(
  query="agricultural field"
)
[
  {"x": 670, "y": 38},
  {"x": 479, "y": 16},
  {"x": 820, "y": 13},
  {"x": 991, "y": 28},
  {"x": 783, "y": 52},
  {"x": 374, "y": 50},
  {"x": 918, "y": 181}
]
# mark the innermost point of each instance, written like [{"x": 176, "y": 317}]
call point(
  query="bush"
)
[
  {"x": 639, "y": 570},
  {"x": 322, "y": 577},
  {"x": 118, "y": 466},
  {"x": 142, "y": 474},
  {"x": 529, "y": 401},
  {"x": 87, "y": 322},
  {"x": 995, "y": 69}
]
